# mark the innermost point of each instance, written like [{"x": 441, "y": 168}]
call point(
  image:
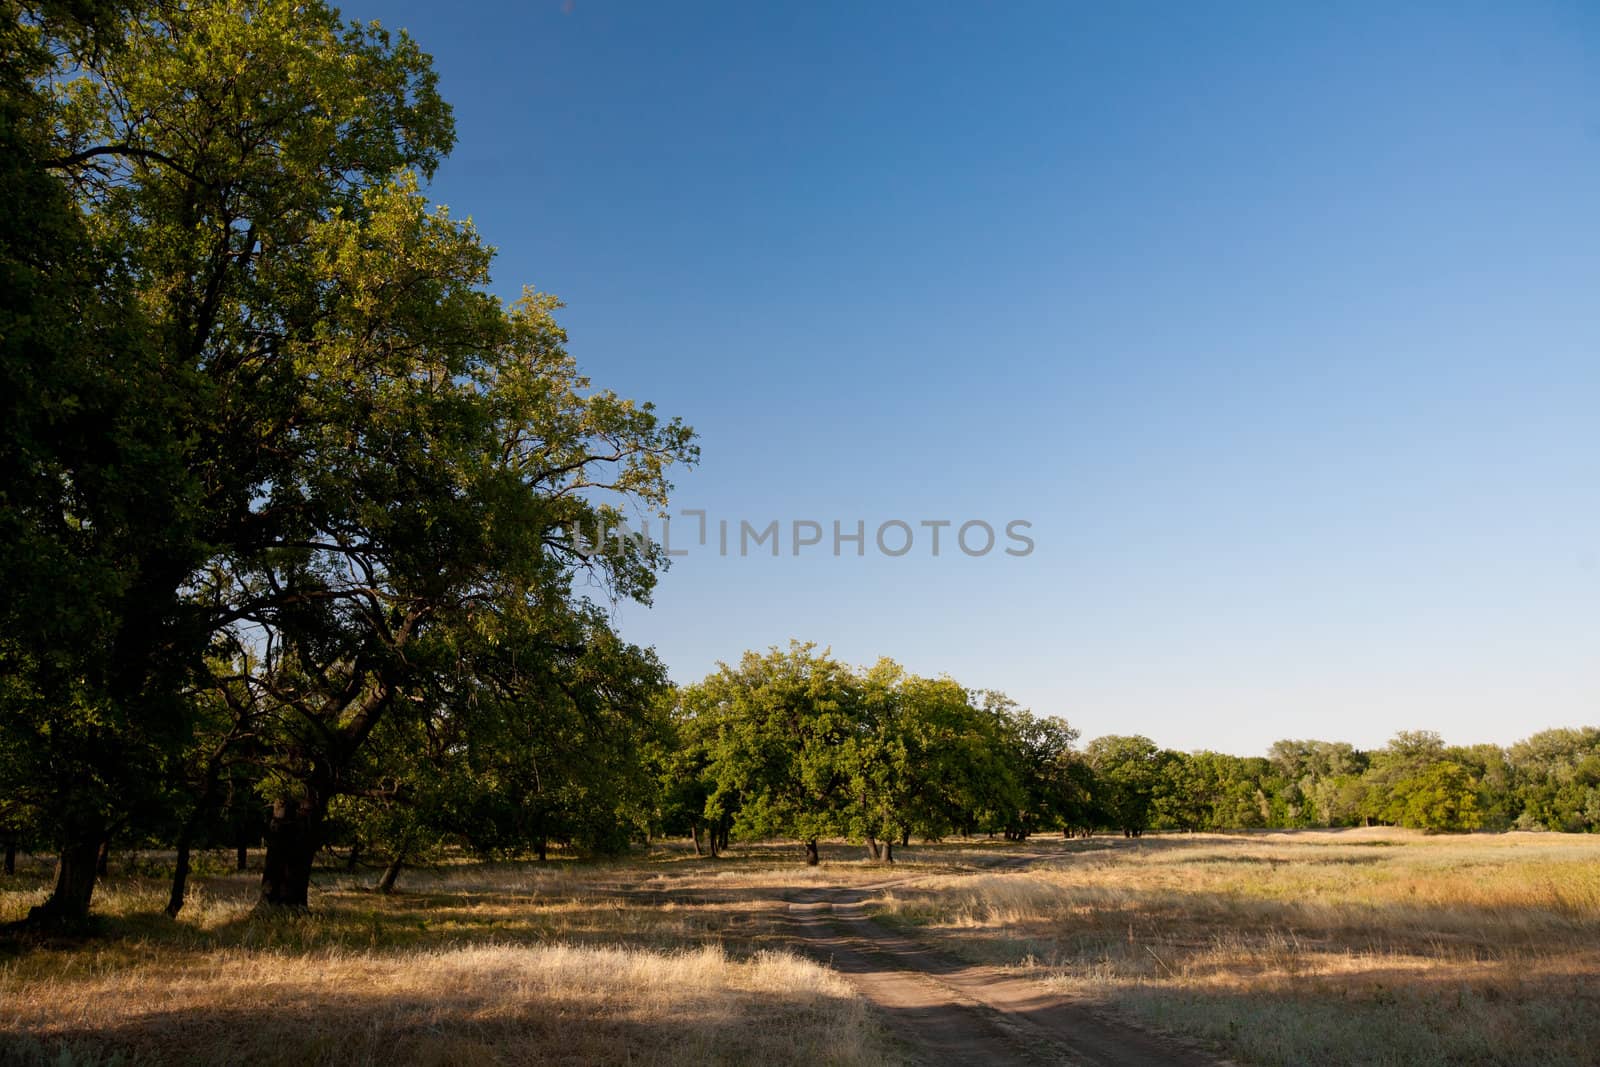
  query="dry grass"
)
[
  {"x": 1354, "y": 947},
  {"x": 479, "y": 964},
  {"x": 484, "y": 1004}
]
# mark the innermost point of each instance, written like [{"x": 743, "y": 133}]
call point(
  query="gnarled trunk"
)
[
  {"x": 873, "y": 852},
  {"x": 694, "y": 835},
  {"x": 905, "y": 838},
  {"x": 293, "y": 836},
  {"x": 75, "y": 876},
  {"x": 812, "y": 859},
  {"x": 888, "y": 851}
]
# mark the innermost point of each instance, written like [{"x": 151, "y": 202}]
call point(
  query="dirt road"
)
[{"x": 947, "y": 1011}]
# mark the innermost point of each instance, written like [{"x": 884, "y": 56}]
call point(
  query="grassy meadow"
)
[
  {"x": 1336, "y": 947},
  {"x": 469, "y": 964},
  {"x": 1368, "y": 946}
]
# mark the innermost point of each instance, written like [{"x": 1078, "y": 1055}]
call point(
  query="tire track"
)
[{"x": 948, "y": 1011}]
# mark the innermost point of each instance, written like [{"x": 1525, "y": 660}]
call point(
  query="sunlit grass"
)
[
  {"x": 1368, "y": 946},
  {"x": 482, "y": 1004},
  {"x": 473, "y": 963}
]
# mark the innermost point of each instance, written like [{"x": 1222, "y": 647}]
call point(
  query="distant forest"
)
[{"x": 794, "y": 743}]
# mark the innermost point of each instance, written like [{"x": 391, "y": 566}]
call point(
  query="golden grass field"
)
[
  {"x": 1340, "y": 947},
  {"x": 474, "y": 964},
  {"x": 1369, "y": 946}
]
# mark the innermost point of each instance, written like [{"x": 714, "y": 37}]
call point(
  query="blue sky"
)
[{"x": 1279, "y": 323}]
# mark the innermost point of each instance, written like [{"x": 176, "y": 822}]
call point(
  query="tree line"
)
[{"x": 793, "y": 743}]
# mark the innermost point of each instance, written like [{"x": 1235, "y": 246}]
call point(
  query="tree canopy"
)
[{"x": 288, "y": 478}]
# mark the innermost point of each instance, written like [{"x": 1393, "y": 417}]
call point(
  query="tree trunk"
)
[
  {"x": 240, "y": 822},
  {"x": 197, "y": 818},
  {"x": 905, "y": 838},
  {"x": 391, "y": 873},
  {"x": 714, "y": 839},
  {"x": 355, "y": 856},
  {"x": 694, "y": 834},
  {"x": 873, "y": 851},
  {"x": 888, "y": 851},
  {"x": 102, "y": 859},
  {"x": 543, "y": 848},
  {"x": 180, "y": 876},
  {"x": 292, "y": 840},
  {"x": 69, "y": 899},
  {"x": 11, "y": 855},
  {"x": 812, "y": 859},
  {"x": 180, "y": 868}
]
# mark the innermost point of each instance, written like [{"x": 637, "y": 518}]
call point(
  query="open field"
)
[
  {"x": 473, "y": 964},
  {"x": 1356, "y": 946},
  {"x": 1363, "y": 946}
]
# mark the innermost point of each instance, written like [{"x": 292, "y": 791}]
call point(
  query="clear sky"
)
[{"x": 1280, "y": 323}]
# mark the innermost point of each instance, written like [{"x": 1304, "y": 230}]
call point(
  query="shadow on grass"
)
[{"x": 298, "y": 1024}]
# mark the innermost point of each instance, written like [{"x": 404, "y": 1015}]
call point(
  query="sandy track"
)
[{"x": 948, "y": 1011}]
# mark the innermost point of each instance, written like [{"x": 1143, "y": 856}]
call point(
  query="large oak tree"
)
[{"x": 281, "y": 441}]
